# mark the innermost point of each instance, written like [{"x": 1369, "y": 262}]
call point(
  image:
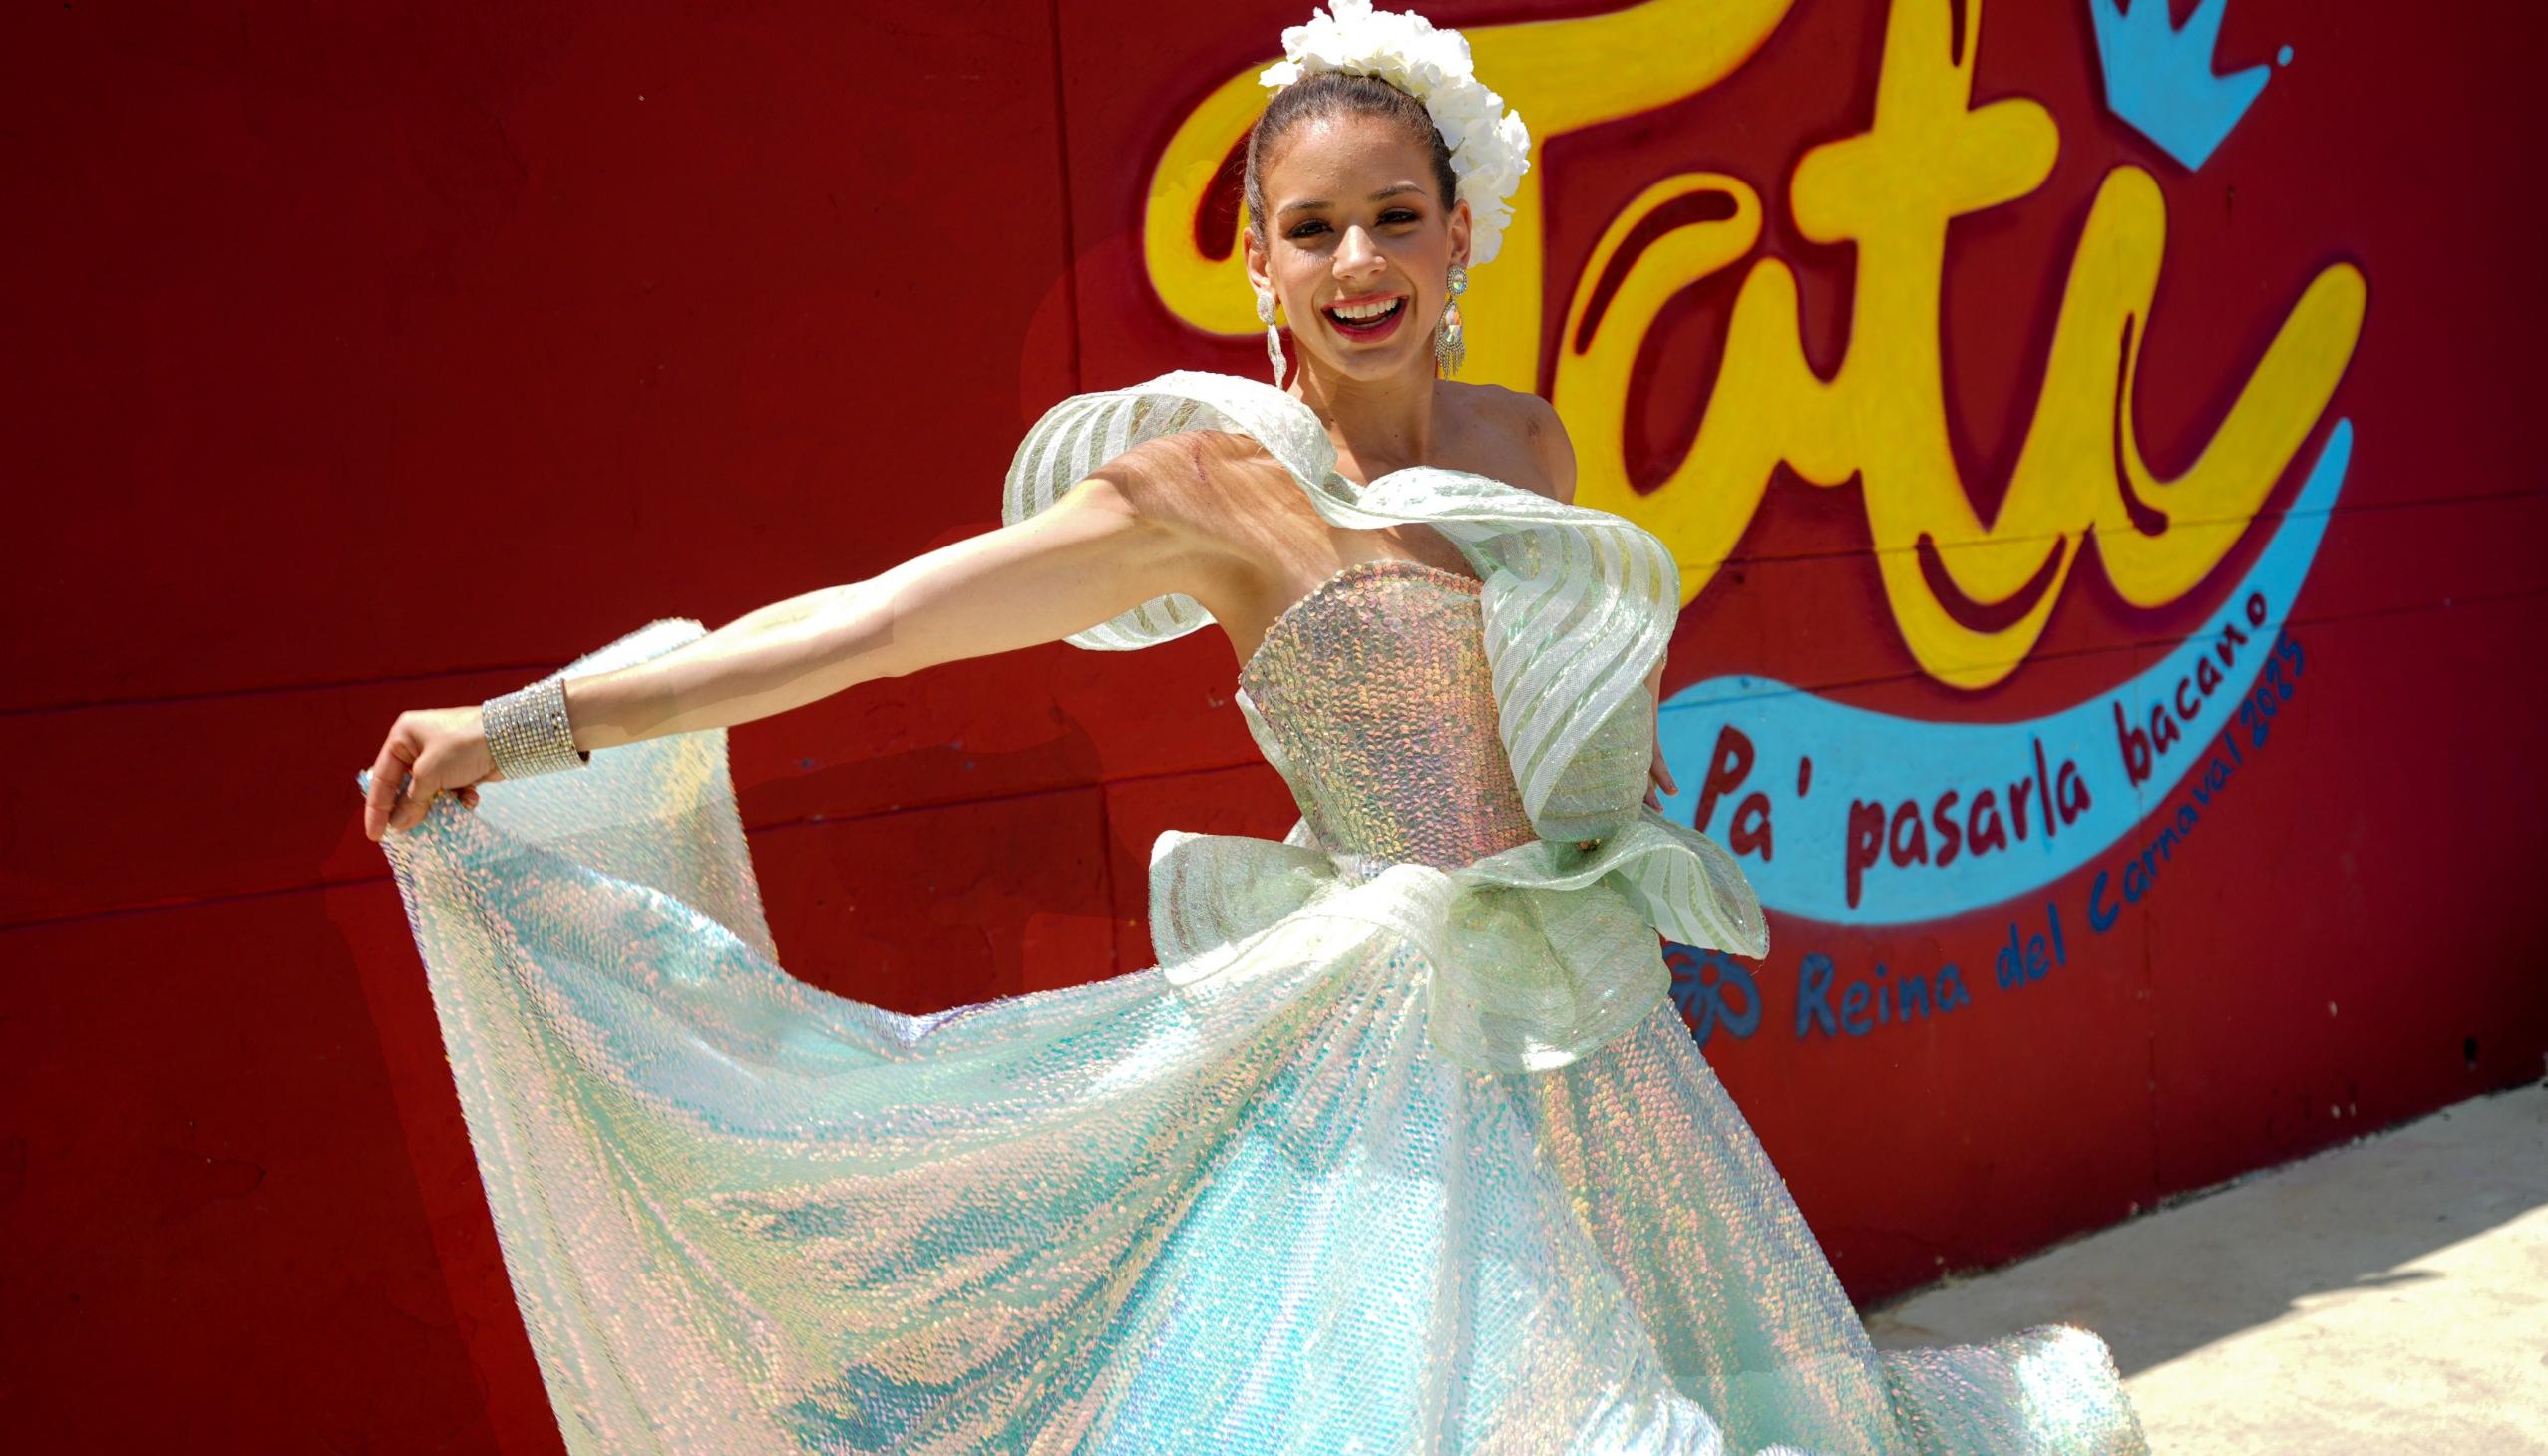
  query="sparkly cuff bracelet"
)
[{"x": 528, "y": 733}]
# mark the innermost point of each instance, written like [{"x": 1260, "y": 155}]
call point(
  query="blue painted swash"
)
[
  {"x": 1879, "y": 758},
  {"x": 2160, "y": 79}
]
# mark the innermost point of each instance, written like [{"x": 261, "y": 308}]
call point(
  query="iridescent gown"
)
[{"x": 1401, "y": 1146}]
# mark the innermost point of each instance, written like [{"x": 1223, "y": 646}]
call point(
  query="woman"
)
[{"x": 1400, "y": 1146}]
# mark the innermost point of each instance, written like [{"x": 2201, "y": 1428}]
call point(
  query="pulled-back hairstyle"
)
[{"x": 1328, "y": 93}]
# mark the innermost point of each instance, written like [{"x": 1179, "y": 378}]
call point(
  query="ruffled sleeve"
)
[
  {"x": 1579, "y": 604},
  {"x": 1085, "y": 431}
]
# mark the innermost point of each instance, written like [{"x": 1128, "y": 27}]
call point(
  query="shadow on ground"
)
[
  {"x": 2394, "y": 1289},
  {"x": 2342, "y": 1223}
]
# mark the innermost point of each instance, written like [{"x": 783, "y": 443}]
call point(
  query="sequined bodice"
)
[{"x": 1373, "y": 696}]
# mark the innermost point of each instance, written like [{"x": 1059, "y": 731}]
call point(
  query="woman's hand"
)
[
  {"x": 1659, "y": 778},
  {"x": 437, "y": 751}
]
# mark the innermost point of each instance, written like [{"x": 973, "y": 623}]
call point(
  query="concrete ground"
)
[{"x": 2389, "y": 1295}]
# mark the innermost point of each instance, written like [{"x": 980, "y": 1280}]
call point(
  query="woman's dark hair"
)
[{"x": 1340, "y": 93}]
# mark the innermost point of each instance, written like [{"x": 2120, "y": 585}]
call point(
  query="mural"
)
[{"x": 2104, "y": 645}]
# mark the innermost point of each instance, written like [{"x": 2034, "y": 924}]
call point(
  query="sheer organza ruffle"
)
[{"x": 1535, "y": 955}]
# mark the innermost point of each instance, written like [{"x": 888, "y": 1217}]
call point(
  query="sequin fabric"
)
[
  {"x": 1268, "y": 1196},
  {"x": 1374, "y": 690}
]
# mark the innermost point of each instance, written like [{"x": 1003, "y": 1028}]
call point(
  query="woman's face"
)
[{"x": 1351, "y": 220}]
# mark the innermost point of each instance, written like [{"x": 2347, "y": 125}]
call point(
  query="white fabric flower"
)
[{"x": 1490, "y": 148}]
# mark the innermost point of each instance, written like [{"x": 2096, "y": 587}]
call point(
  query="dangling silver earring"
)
[
  {"x": 1274, "y": 336},
  {"x": 1449, "y": 348}
]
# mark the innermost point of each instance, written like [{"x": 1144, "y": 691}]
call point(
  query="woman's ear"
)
[
  {"x": 1460, "y": 231},
  {"x": 1254, "y": 256}
]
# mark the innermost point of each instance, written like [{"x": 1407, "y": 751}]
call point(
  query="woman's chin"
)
[{"x": 1371, "y": 363}]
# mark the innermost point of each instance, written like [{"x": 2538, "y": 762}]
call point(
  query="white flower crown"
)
[{"x": 1490, "y": 148}]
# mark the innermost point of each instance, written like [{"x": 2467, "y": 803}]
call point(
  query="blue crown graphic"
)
[{"x": 2160, "y": 79}]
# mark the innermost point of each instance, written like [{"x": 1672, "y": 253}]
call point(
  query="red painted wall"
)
[{"x": 388, "y": 356}]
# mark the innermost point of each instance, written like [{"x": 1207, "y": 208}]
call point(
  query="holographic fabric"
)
[
  {"x": 1398, "y": 1149},
  {"x": 1383, "y": 690}
]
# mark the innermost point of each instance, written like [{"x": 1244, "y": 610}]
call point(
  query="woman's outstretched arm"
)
[
  {"x": 1089, "y": 557},
  {"x": 1103, "y": 548}
]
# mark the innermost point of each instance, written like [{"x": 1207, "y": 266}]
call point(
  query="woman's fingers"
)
[
  {"x": 1659, "y": 778},
  {"x": 423, "y": 784},
  {"x": 380, "y": 801}
]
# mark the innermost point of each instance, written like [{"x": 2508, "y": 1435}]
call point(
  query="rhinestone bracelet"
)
[{"x": 528, "y": 733}]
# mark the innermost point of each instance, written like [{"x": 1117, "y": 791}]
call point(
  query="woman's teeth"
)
[{"x": 1365, "y": 315}]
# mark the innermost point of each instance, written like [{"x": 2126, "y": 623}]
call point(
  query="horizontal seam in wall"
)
[
  {"x": 198, "y": 901},
  {"x": 534, "y": 669},
  {"x": 1100, "y": 784},
  {"x": 527, "y": 669},
  {"x": 807, "y": 820}
]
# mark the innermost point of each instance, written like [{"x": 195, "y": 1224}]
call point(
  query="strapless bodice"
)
[{"x": 1373, "y": 697}]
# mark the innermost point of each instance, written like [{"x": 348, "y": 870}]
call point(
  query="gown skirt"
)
[{"x": 1400, "y": 1147}]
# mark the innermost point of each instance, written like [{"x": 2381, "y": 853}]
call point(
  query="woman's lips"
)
[{"x": 1372, "y": 331}]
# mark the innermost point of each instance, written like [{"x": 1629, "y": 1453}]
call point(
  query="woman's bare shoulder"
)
[
  {"x": 1519, "y": 421},
  {"x": 1190, "y": 475},
  {"x": 1219, "y": 494}
]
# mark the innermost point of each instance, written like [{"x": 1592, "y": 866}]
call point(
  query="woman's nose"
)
[{"x": 1356, "y": 255}]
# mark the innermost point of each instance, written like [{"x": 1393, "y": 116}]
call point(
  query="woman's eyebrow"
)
[{"x": 1311, "y": 203}]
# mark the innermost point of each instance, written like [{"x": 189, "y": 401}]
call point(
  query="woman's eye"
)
[{"x": 1395, "y": 215}]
